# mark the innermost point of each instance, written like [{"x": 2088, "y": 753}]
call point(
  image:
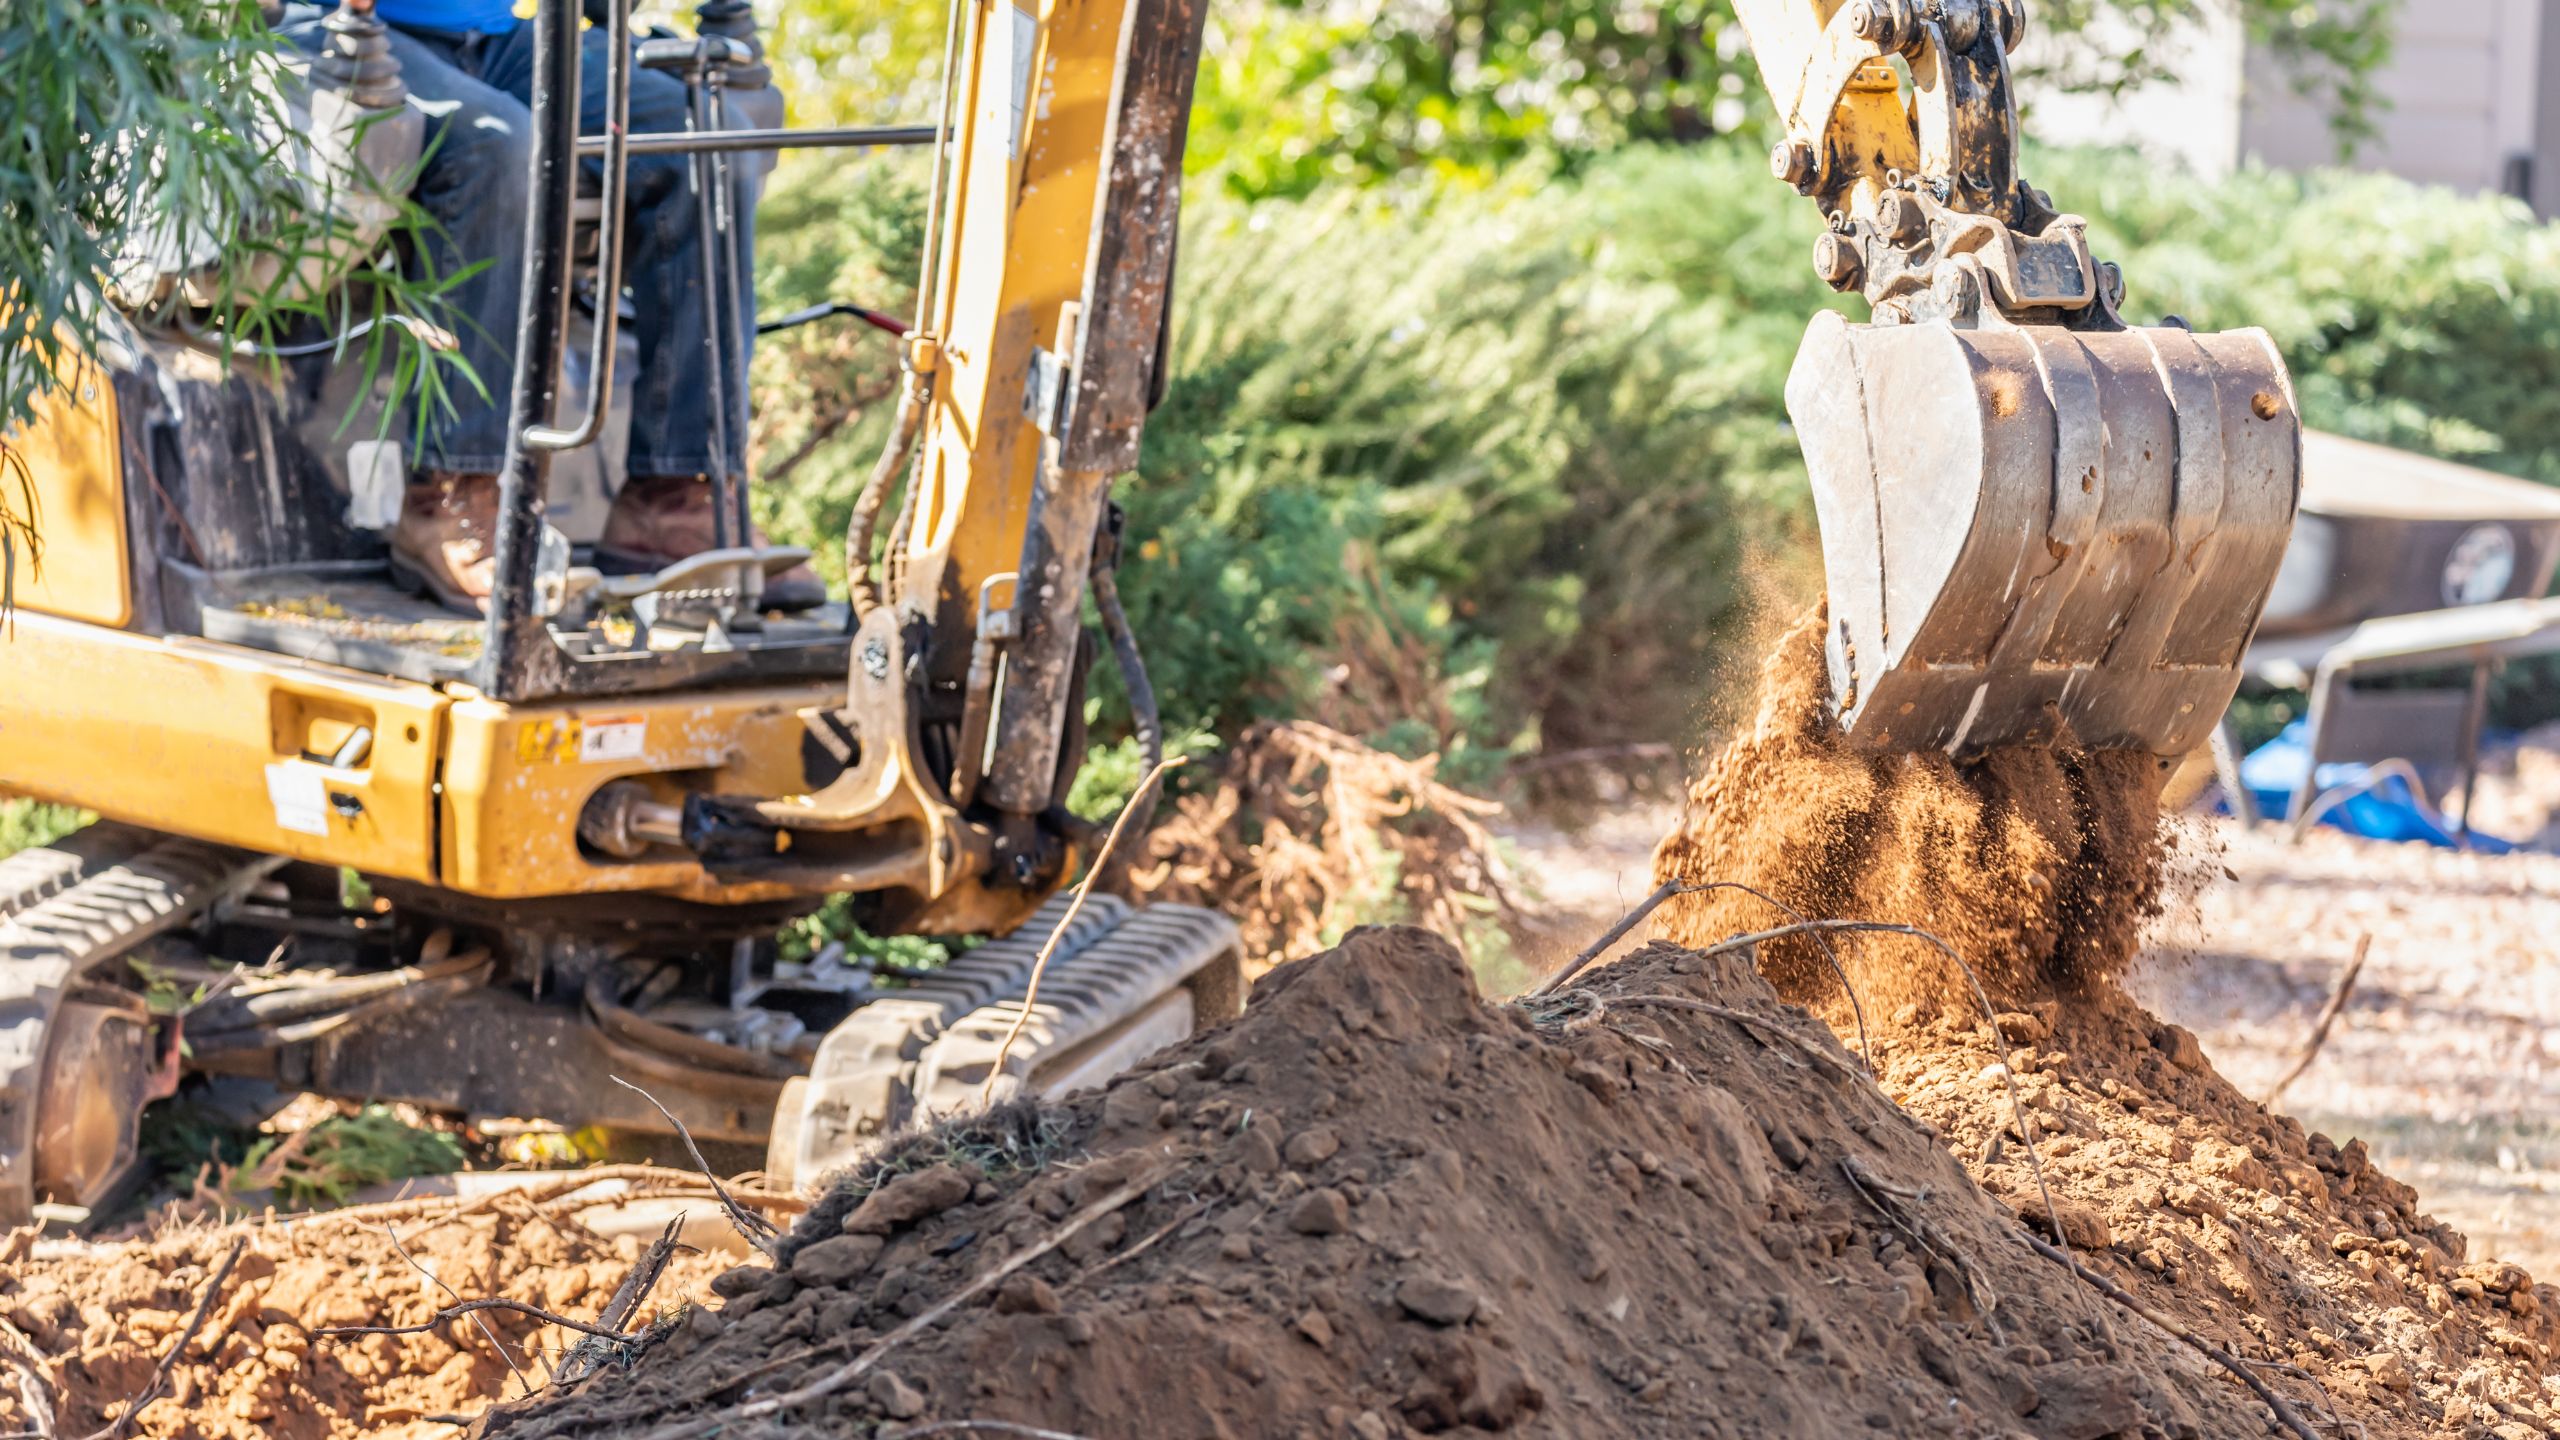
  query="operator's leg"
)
[
  {"x": 472, "y": 184},
  {"x": 664, "y": 511}
]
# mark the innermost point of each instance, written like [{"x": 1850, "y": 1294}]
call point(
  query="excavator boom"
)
[{"x": 2037, "y": 521}]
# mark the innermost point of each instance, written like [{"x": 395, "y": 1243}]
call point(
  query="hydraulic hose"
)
[{"x": 862, "y": 592}]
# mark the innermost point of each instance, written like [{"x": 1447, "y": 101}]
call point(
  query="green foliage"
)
[
  {"x": 834, "y": 226},
  {"x": 1297, "y": 93},
  {"x": 1113, "y": 771},
  {"x": 1483, "y": 468},
  {"x": 139, "y": 127},
  {"x": 1550, "y": 411},
  {"x": 25, "y": 824},
  {"x": 833, "y": 921},
  {"x": 323, "y": 1165}
]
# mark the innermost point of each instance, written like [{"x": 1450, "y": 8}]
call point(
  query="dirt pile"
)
[
  {"x": 1662, "y": 1204},
  {"x": 92, "y": 1321},
  {"x": 2279, "y": 1245},
  {"x": 2038, "y": 866}
]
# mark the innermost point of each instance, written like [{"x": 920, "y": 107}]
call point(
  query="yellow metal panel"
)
[
  {"x": 72, "y": 453},
  {"x": 516, "y": 778},
  {"x": 1022, "y": 218},
  {"x": 210, "y": 740}
]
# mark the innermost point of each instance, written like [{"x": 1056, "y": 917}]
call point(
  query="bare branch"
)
[
  {"x": 35, "y": 1393},
  {"x": 1760, "y": 1025},
  {"x": 485, "y": 1332},
  {"x": 1075, "y": 907},
  {"x": 634, "y": 1290},
  {"x": 756, "y": 1230},
  {"x": 471, "y": 1308},
  {"x": 979, "y": 1428},
  {"x": 2328, "y": 1017},
  {"x": 2285, "y": 1413},
  {"x": 1671, "y": 889}
]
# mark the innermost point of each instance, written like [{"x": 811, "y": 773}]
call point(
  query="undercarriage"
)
[{"x": 130, "y": 959}]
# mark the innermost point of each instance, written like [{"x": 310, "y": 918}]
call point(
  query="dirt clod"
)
[
  {"x": 910, "y": 1198},
  {"x": 1440, "y": 1301}
]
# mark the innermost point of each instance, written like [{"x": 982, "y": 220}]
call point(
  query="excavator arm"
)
[
  {"x": 1029, "y": 373},
  {"x": 2038, "y": 522}
]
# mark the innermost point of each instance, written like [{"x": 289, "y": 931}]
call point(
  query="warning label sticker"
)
[
  {"x": 585, "y": 739},
  {"x": 616, "y": 737}
]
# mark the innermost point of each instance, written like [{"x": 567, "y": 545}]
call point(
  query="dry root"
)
[{"x": 1308, "y": 832}]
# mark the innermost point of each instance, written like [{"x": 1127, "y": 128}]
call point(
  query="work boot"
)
[
  {"x": 658, "y": 520},
  {"x": 446, "y": 544}
]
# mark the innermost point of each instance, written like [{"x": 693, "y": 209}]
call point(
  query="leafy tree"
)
[
  {"x": 126, "y": 123},
  {"x": 1296, "y": 93}
]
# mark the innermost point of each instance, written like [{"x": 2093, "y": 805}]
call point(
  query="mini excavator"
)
[{"x": 581, "y": 821}]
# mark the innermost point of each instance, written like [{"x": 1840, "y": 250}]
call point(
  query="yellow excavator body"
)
[{"x": 583, "y": 821}]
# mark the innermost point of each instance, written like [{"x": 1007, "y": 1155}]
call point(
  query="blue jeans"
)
[{"x": 474, "y": 90}]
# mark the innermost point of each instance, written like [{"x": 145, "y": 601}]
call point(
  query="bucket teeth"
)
[{"x": 2030, "y": 528}]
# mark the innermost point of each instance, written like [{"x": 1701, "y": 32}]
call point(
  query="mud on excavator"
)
[{"x": 583, "y": 819}]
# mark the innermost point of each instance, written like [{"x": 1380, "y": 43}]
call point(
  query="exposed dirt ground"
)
[
  {"x": 2446, "y": 1058},
  {"x": 1662, "y": 1201},
  {"x": 82, "y": 1325}
]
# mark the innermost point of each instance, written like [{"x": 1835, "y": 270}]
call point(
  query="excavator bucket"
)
[{"x": 2029, "y": 531}]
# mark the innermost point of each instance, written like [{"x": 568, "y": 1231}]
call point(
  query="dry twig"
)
[
  {"x": 1671, "y": 889},
  {"x": 481, "y": 1325},
  {"x": 124, "y": 1422},
  {"x": 634, "y": 1290},
  {"x": 2285, "y": 1413},
  {"x": 1898, "y": 1204},
  {"x": 1759, "y": 1025},
  {"x": 35, "y": 1393},
  {"x": 2328, "y": 1016},
  {"x": 652, "y": 1182},
  {"x": 757, "y": 1231},
  {"x": 1075, "y": 906},
  {"x": 979, "y": 1428},
  {"x": 472, "y": 1308}
]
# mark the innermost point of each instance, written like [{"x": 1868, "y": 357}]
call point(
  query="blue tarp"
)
[{"x": 2387, "y": 810}]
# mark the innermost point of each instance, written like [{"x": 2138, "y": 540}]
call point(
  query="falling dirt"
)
[
  {"x": 91, "y": 1321},
  {"x": 2038, "y": 867}
]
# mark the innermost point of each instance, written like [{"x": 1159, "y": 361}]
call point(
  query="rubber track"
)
[
  {"x": 111, "y": 903},
  {"x": 43, "y": 871}
]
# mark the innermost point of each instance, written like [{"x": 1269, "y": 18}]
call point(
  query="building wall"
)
[
  {"x": 2460, "y": 90},
  {"x": 2471, "y": 99}
]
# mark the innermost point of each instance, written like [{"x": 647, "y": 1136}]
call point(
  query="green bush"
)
[{"x": 1484, "y": 469}]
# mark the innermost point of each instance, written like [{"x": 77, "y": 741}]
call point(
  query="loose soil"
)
[
  {"x": 1378, "y": 1206},
  {"x": 94, "y": 1319},
  {"x": 1663, "y": 1201},
  {"x": 2038, "y": 866}
]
